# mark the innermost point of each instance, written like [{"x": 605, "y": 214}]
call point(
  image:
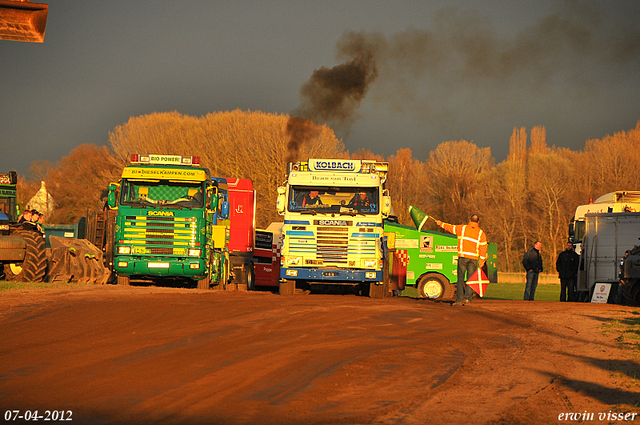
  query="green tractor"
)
[{"x": 23, "y": 255}]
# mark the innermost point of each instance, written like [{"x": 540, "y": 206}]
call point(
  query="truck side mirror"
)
[
  {"x": 224, "y": 210},
  {"x": 281, "y": 201},
  {"x": 386, "y": 204},
  {"x": 572, "y": 231},
  {"x": 111, "y": 197}
]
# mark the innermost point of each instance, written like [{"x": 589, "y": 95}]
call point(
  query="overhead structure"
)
[{"x": 23, "y": 20}]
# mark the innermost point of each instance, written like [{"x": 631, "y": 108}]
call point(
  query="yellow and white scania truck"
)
[{"x": 333, "y": 231}]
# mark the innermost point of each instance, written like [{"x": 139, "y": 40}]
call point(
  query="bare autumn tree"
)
[
  {"x": 502, "y": 202},
  {"x": 607, "y": 164},
  {"x": 406, "y": 184},
  {"x": 366, "y": 154},
  {"x": 550, "y": 176},
  {"x": 538, "y": 139},
  {"x": 76, "y": 181},
  {"x": 169, "y": 133},
  {"x": 453, "y": 171},
  {"x": 518, "y": 146}
]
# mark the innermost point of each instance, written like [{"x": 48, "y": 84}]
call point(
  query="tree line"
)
[{"x": 529, "y": 196}]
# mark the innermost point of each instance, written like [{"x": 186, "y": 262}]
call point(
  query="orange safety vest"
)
[{"x": 472, "y": 242}]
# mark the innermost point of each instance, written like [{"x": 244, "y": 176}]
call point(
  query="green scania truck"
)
[{"x": 169, "y": 219}]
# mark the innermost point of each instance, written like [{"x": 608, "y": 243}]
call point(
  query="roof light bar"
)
[{"x": 164, "y": 159}]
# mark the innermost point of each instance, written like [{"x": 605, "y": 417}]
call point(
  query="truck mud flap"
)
[{"x": 76, "y": 260}]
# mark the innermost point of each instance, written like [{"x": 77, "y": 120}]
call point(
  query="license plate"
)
[
  {"x": 329, "y": 274},
  {"x": 158, "y": 265}
]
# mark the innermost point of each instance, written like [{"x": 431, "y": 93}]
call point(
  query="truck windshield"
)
[
  {"x": 579, "y": 228},
  {"x": 342, "y": 200},
  {"x": 162, "y": 193}
]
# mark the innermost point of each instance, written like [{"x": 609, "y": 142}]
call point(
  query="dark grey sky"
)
[{"x": 447, "y": 69}]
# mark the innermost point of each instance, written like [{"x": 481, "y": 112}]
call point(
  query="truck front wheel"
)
[
  {"x": 205, "y": 283},
  {"x": 376, "y": 290},
  {"x": 123, "y": 280},
  {"x": 287, "y": 287}
]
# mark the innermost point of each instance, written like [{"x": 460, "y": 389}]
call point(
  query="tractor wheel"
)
[
  {"x": 205, "y": 283},
  {"x": 34, "y": 266},
  {"x": 123, "y": 280},
  {"x": 434, "y": 287}
]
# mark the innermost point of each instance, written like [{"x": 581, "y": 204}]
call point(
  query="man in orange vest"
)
[{"x": 472, "y": 254}]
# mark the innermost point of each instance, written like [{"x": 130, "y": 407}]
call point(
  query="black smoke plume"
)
[{"x": 463, "y": 67}]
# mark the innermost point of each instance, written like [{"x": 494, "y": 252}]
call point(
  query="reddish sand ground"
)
[{"x": 134, "y": 355}]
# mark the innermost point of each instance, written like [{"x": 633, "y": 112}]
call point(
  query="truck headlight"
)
[
  {"x": 294, "y": 261},
  {"x": 194, "y": 253},
  {"x": 370, "y": 275},
  {"x": 369, "y": 264},
  {"x": 124, "y": 249}
]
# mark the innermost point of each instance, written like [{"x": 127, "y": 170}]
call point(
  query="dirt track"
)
[{"x": 115, "y": 355}]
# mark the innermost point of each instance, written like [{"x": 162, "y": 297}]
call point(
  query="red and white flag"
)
[
  {"x": 400, "y": 263},
  {"x": 479, "y": 282}
]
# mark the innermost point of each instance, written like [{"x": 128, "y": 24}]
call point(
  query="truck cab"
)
[
  {"x": 170, "y": 221},
  {"x": 332, "y": 233},
  {"x": 8, "y": 201},
  {"x": 612, "y": 202}
]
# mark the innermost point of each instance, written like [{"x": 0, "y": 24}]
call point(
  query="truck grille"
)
[
  {"x": 167, "y": 236},
  {"x": 332, "y": 244}
]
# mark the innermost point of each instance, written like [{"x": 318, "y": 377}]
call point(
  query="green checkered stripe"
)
[{"x": 168, "y": 193}]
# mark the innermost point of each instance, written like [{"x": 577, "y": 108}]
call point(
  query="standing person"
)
[
  {"x": 36, "y": 221},
  {"x": 35, "y": 215},
  {"x": 25, "y": 217},
  {"x": 567, "y": 268},
  {"x": 40, "y": 223},
  {"x": 532, "y": 262},
  {"x": 472, "y": 254}
]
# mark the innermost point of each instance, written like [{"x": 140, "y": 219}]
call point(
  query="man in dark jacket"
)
[
  {"x": 567, "y": 267},
  {"x": 532, "y": 263}
]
